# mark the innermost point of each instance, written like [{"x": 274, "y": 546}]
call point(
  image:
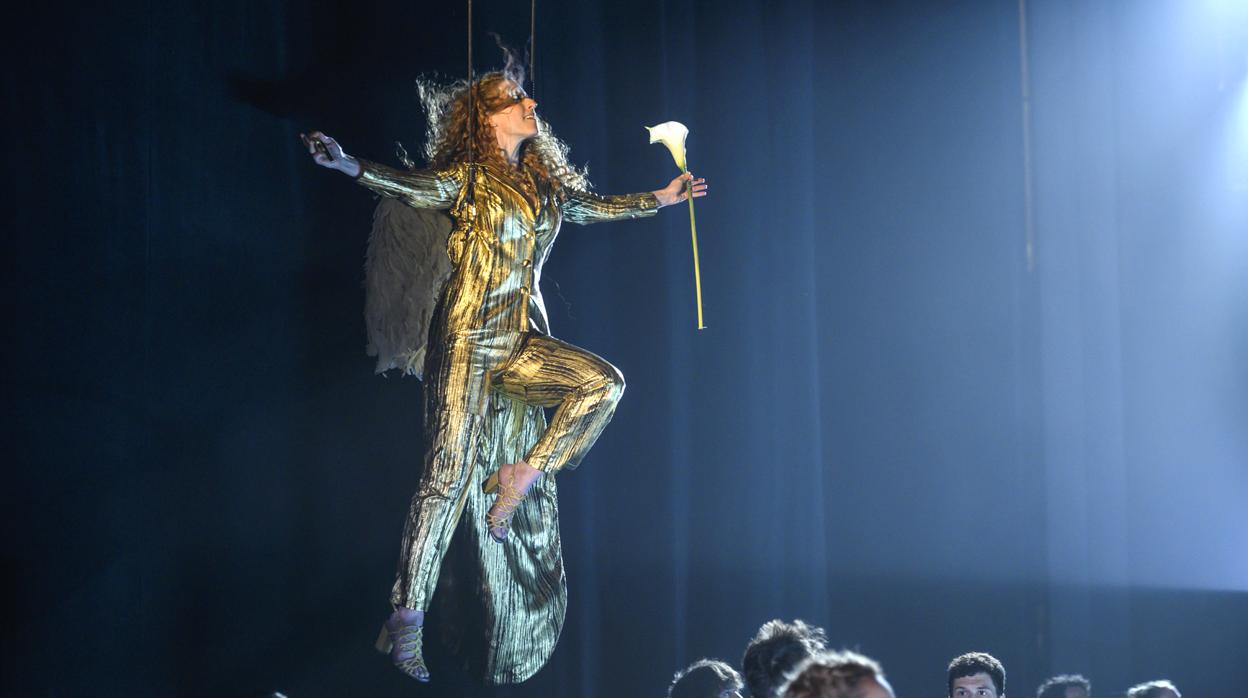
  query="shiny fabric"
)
[
  {"x": 490, "y": 370},
  {"x": 498, "y": 258}
]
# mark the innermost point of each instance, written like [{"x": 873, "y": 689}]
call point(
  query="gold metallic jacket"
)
[{"x": 498, "y": 260}]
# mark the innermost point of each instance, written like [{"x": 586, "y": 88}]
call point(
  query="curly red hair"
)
[{"x": 543, "y": 157}]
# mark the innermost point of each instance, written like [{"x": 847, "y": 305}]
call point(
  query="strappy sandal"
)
[
  {"x": 509, "y": 499},
  {"x": 403, "y": 641}
]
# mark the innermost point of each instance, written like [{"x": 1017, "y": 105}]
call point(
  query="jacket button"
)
[{"x": 527, "y": 263}]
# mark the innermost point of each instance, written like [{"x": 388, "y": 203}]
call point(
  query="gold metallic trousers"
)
[{"x": 462, "y": 374}]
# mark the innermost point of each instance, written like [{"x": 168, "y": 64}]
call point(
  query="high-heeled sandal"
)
[
  {"x": 509, "y": 499},
  {"x": 402, "y": 640}
]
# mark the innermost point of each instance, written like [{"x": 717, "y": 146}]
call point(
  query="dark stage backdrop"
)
[{"x": 902, "y": 423}]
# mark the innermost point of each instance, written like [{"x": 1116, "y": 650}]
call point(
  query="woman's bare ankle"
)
[
  {"x": 525, "y": 472},
  {"x": 409, "y": 615}
]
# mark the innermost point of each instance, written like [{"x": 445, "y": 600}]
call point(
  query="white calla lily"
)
[{"x": 671, "y": 134}]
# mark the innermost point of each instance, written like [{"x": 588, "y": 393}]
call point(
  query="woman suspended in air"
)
[{"x": 488, "y": 361}]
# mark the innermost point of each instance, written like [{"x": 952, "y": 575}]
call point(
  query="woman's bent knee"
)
[{"x": 611, "y": 383}]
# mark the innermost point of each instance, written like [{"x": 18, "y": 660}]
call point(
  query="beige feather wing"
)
[{"x": 405, "y": 269}]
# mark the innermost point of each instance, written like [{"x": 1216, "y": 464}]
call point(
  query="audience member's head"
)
[
  {"x": 976, "y": 675},
  {"x": 775, "y": 651},
  {"x": 706, "y": 678},
  {"x": 1154, "y": 689},
  {"x": 1065, "y": 686},
  {"x": 837, "y": 675}
]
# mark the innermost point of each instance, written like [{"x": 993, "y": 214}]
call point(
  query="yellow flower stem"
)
[{"x": 697, "y": 274}]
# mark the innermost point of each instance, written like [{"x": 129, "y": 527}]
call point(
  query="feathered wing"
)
[{"x": 405, "y": 268}]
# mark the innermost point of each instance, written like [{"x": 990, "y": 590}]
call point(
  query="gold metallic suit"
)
[{"x": 490, "y": 370}]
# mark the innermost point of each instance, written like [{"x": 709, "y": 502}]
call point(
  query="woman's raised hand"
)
[
  {"x": 678, "y": 191},
  {"x": 326, "y": 152}
]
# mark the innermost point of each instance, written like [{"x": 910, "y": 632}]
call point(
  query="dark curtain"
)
[{"x": 878, "y": 431}]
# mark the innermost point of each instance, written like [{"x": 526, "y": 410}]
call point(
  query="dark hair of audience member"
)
[
  {"x": 973, "y": 663},
  {"x": 706, "y": 678},
  {"x": 776, "y": 649},
  {"x": 1152, "y": 689},
  {"x": 1056, "y": 686},
  {"x": 833, "y": 675}
]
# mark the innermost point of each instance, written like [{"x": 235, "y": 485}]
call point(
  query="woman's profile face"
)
[{"x": 517, "y": 117}]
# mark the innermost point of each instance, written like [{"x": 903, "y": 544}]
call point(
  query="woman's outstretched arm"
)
[
  {"x": 586, "y": 207},
  {"x": 417, "y": 188}
]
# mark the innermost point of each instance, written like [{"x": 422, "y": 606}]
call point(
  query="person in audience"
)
[
  {"x": 1154, "y": 689},
  {"x": 976, "y": 675},
  {"x": 776, "y": 649},
  {"x": 842, "y": 674},
  {"x": 1065, "y": 686},
  {"x": 706, "y": 678}
]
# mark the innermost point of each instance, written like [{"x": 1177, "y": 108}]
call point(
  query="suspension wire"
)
[
  {"x": 472, "y": 91},
  {"x": 533, "y": 48},
  {"x": 472, "y": 116}
]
